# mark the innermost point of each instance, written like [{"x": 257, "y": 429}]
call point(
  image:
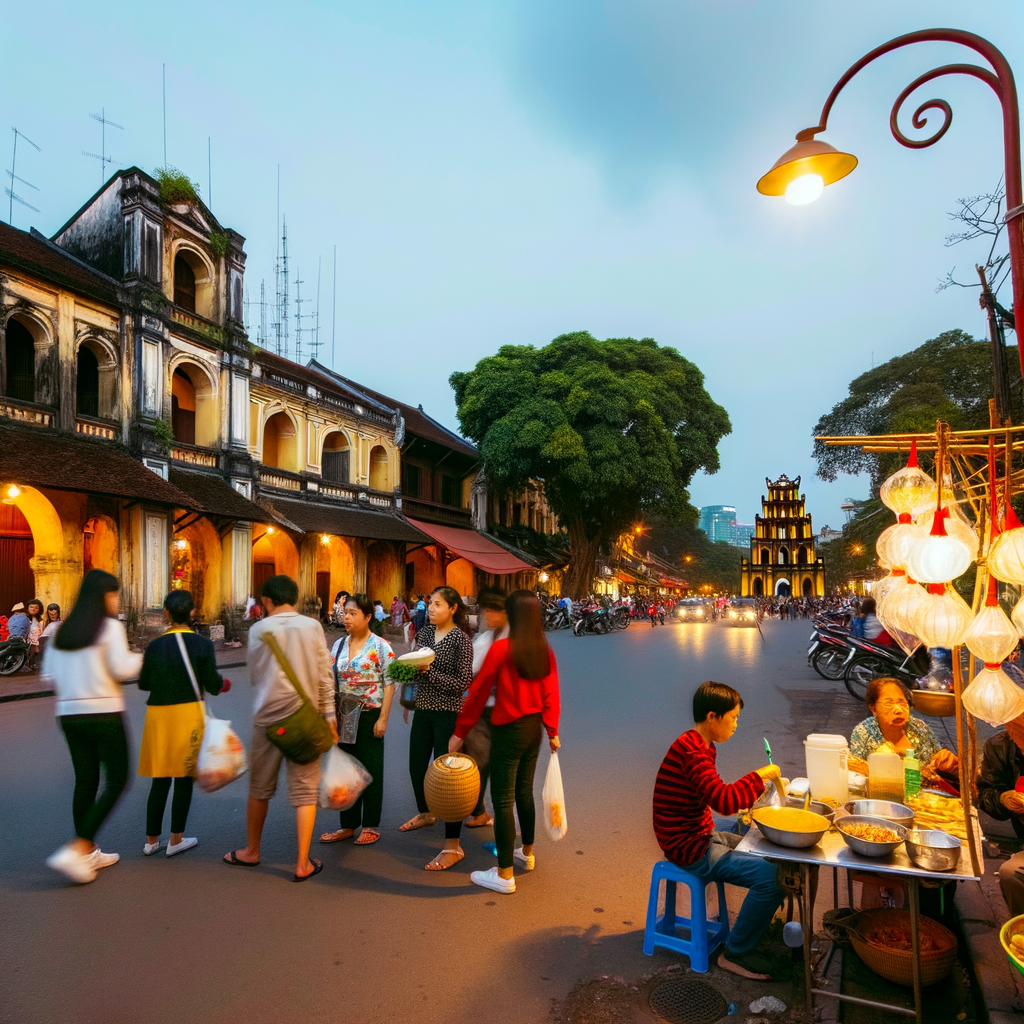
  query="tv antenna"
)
[
  {"x": 12, "y": 174},
  {"x": 299, "y": 315},
  {"x": 102, "y": 154}
]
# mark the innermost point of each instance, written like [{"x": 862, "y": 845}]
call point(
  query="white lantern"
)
[
  {"x": 909, "y": 488},
  {"x": 1017, "y": 616},
  {"x": 938, "y": 558},
  {"x": 895, "y": 542},
  {"x": 899, "y": 610},
  {"x": 993, "y": 697},
  {"x": 884, "y": 585},
  {"x": 991, "y": 636},
  {"x": 1006, "y": 556},
  {"x": 943, "y": 619}
]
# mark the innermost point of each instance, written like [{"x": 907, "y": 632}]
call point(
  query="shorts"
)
[{"x": 265, "y": 765}]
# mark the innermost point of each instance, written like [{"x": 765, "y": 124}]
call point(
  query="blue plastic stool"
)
[{"x": 704, "y": 936}]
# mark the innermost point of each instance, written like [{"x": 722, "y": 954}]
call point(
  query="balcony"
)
[
  {"x": 279, "y": 479},
  {"x": 434, "y": 511},
  {"x": 197, "y": 323},
  {"x": 89, "y": 426},
  {"x": 26, "y": 412},
  {"x": 272, "y": 478},
  {"x": 193, "y": 456}
]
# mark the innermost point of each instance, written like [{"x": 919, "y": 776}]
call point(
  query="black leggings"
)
[
  {"x": 428, "y": 738},
  {"x": 369, "y": 751},
  {"x": 179, "y": 805},
  {"x": 514, "y": 750},
  {"x": 95, "y": 741}
]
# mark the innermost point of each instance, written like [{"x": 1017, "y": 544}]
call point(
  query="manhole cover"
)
[{"x": 687, "y": 1002}]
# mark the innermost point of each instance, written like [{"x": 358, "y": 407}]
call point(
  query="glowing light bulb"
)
[{"x": 804, "y": 189}]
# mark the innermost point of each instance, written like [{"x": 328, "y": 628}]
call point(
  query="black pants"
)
[
  {"x": 95, "y": 741},
  {"x": 368, "y": 750},
  {"x": 179, "y": 805},
  {"x": 428, "y": 738},
  {"x": 478, "y": 746},
  {"x": 514, "y": 750}
]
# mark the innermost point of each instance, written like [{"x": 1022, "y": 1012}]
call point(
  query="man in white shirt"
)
[
  {"x": 491, "y": 614},
  {"x": 302, "y": 640}
]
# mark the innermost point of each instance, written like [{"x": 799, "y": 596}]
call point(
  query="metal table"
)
[{"x": 833, "y": 852}]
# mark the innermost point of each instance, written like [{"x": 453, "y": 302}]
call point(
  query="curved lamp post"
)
[{"x": 802, "y": 172}]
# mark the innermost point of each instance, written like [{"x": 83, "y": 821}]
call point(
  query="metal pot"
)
[
  {"x": 901, "y": 814},
  {"x": 865, "y": 847},
  {"x": 933, "y": 849}
]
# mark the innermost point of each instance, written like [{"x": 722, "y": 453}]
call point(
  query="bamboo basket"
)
[
  {"x": 896, "y": 965},
  {"x": 451, "y": 786},
  {"x": 1015, "y": 926}
]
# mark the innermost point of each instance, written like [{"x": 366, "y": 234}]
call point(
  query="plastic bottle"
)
[{"x": 911, "y": 775}]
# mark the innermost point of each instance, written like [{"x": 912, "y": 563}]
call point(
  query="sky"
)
[{"x": 502, "y": 173}]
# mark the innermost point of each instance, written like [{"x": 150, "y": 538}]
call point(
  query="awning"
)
[
  {"x": 475, "y": 548},
  {"x": 316, "y": 517},
  {"x": 214, "y": 496}
]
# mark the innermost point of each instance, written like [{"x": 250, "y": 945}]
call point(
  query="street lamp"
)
[{"x": 803, "y": 171}]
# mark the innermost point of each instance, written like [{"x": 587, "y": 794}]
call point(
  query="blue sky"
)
[{"x": 502, "y": 173}]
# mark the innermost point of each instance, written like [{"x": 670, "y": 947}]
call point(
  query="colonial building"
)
[{"x": 782, "y": 559}]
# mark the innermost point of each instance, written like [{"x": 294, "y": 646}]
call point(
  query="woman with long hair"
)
[
  {"x": 87, "y": 661},
  {"x": 35, "y": 630},
  {"x": 522, "y": 673},
  {"x": 439, "y": 696}
]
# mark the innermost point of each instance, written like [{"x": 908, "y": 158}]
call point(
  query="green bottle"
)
[{"x": 911, "y": 775}]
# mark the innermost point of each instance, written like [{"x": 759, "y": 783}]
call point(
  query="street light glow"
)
[
  {"x": 807, "y": 159},
  {"x": 804, "y": 189}
]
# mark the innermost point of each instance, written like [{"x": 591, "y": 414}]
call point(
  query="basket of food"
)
[
  {"x": 881, "y": 938},
  {"x": 939, "y": 811},
  {"x": 871, "y": 837},
  {"x": 790, "y": 826},
  {"x": 406, "y": 670},
  {"x": 451, "y": 786},
  {"x": 1011, "y": 935}
]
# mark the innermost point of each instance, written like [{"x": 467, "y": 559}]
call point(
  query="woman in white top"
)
[{"x": 87, "y": 661}]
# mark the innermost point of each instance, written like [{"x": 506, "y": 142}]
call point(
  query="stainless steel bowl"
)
[
  {"x": 933, "y": 849},
  {"x": 794, "y": 840},
  {"x": 825, "y": 810},
  {"x": 865, "y": 847},
  {"x": 901, "y": 814}
]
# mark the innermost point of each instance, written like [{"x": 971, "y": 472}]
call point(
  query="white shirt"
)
[{"x": 482, "y": 643}]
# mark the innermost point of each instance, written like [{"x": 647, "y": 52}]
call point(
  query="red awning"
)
[{"x": 474, "y": 547}]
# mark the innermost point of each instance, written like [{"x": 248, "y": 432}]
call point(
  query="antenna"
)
[
  {"x": 164, "y": 66},
  {"x": 209, "y": 172},
  {"x": 263, "y": 314},
  {"x": 12, "y": 174},
  {"x": 298, "y": 316},
  {"x": 283, "y": 310},
  {"x": 315, "y": 343},
  {"x": 102, "y": 154},
  {"x": 334, "y": 304}
]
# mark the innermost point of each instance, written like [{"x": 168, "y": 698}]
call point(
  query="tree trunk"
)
[{"x": 579, "y": 574}]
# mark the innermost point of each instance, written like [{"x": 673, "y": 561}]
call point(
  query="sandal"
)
[
  {"x": 367, "y": 836},
  {"x": 233, "y": 860},
  {"x": 318, "y": 866},
  {"x": 337, "y": 837},
  {"x": 480, "y": 821},
  {"x": 411, "y": 825},
  {"x": 436, "y": 865}
]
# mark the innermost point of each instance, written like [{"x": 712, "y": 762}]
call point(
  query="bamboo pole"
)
[{"x": 964, "y": 758}]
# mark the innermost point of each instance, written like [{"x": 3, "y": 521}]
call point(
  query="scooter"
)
[
  {"x": 872, "y": 661},
  {"x": 13, "y": 654}
]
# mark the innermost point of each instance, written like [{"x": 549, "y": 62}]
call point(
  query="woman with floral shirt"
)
[{"x": 361, "y": 662}]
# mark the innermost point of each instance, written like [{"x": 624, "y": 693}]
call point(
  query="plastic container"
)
[
  {"x": 826, "y": 760},
  {"x": 885, "y": 777},
  {"x": 911, "y": 775}
]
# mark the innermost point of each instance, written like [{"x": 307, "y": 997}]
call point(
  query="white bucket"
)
[{"x": 826, "y": 758}]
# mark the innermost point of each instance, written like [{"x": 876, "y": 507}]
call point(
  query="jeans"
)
[
  {"x": 95, "y": 741},
  {"x": 478, "y": 746},
  {"x": 514, "y": 749},
  {"x": 755, "y": 874},
  {"x": 428, "y": 739},
  {"x": 369, "y": 751},
  {"x": 158, "y": 802}
]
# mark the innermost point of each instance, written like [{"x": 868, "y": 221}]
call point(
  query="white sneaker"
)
[
  {"x": 520, "y": 858},
  {"x": 490, "y": 879},
  {"x": 185, "y": 844},
  {"x": 99, "y": 859},
  {"x": 70, "y": 863},
  {"x": 148, "y": 849}
]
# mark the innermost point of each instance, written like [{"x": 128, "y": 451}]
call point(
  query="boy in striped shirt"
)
[{"x": 687, "y": 790}]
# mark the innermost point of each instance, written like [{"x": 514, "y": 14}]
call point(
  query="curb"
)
[{"x": 996, "y": 983}]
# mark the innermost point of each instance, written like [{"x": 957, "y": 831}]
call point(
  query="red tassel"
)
[
  {"x": 992, "y": 601},
  {"x": 912, "y": 461},
  {"x": 904, "y": 517},
  {"x": 939, "y": 522},
  {"x": 899, "y": 572},
  {"x": 936, "y": 588}
]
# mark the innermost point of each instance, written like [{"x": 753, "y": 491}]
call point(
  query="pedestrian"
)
[
  {"x": 491, "y": 603},
  {"x": 35, "y": 631},
  {"x": 439, "y": 695},
  {"x": 52, "y": 623},
  {"x": 361, "y": 662},
  {"x": 176, "y": 668},
  {"x": 18, "y": 623},
  {"x": 419, "y": 617},
  {"x": 87, "y": 661},
  {"x": 522, "y": 673},
  {"x": 661, "y": 613},
  {"x": 399, "y": 612},
  {"x": 303, "y": 647},
  {"x": 1002, "y": 766},
  {"x": 338, "y": 611}
]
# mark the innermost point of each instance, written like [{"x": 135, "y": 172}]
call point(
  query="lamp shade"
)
[
  {"x": 895, "y": 542},
  {"x": 1006, "y": 556},
  {"x": 993, "y": 697},
  {"x": 965, "y": 533},
  {"x": 991, "y": 636},
  {"x": 884, "y": 585},
  {"x": 1017, "y": 616},
  {"x": 908, "y": 489},
  {"x": 938, "y": 558},
  {"x": 899, "y": 609},
  {"x": 807, "y": 157},
  {"x": 943, "y": 619}
]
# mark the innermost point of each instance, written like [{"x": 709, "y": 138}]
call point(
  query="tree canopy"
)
[
  {"x": 701, "y": 561},
  {"x": 616, "y": 429}
]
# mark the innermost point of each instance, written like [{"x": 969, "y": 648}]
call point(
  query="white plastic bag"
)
[
  {"x": 553, "y": 798},
  {"x": 221, "y": 756},
  {"x": 342, "y": 780}
]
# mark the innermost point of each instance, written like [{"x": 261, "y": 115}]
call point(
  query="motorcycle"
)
[
  {"x": 13, "y": 654},
  {"x": 871, "y": 661},
  {"x": 592, "y": 619},
  {"x": 829, "y": 653},
  {"x": 556, "y": 617}
]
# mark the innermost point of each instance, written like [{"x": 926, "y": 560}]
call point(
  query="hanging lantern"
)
[
  {"x": 884, "y": 585},
  {"x": 898, "y": 612},
  {"x": 894, "y": 542},
  {"x": 993, "y": 697},
  {"x": 991, "y": 636},
  {"x": 1006, "y": 556},
  {"x": 938, "y": 558},
  {"x": 909, "y": 488},
  {"x": 908, "y": 642},
  {"x": 965, "y": 533},
  {"x": 1017, "y": 616},
  {"x": 943, "y": 618}
]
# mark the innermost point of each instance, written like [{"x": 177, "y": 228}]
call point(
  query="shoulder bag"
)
[{"x": 304, "y": 735}]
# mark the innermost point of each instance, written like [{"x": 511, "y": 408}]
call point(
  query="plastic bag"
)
[
  {"x": 553, "y": 798},
  {"x": 221, "y": 758},
  {"x": 342, "y": 780}
]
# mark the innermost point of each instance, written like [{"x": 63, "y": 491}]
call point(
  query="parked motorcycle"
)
[
  {"x": 871, "y": 661},
  {"x": 593, "y": 619},
  {"x": 829, "y": 653},
  {"x": 13, "y": 654}
]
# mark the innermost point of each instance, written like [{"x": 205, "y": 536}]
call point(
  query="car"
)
[
  {"x": 741, "y": 611},
  {"x": 692, "y": 610}
]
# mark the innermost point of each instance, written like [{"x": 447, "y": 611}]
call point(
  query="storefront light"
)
[
  {"x": 181, "y": 543},
  {"x": 325, "y": 539},
  {"x": 13, "y": 492}
]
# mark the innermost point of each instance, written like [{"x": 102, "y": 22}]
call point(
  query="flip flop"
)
[
  {"x": 409, "y": 827},
  {"x": 474, "y": 823},
  {"x": 318, "y": 866},
  {"x": 367, "y": 837},
  {"x": 232, "y": 860},
  {"x": 446, "y": 867},
  {"x": 335, "y": 838}
]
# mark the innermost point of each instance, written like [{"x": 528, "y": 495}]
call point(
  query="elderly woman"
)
[{"x": 891, "y": 725}]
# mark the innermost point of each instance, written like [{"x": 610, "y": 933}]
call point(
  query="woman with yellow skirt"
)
[{"x": 176, "y": 669}]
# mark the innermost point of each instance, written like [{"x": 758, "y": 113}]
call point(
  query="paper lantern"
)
[
  {"x": 910, "y": 488},
  {"x": 1017, "y": 616},
  {"x": 944, "y": 617},
  {"x": 895, "y": 542},
  {"x": 938, "y": 558},
  {"x": 900, "y": 608},
  {"x": 1006, "y": 556},
  {"x": 991, "y": 636},
  {"x": 884, "y": 585},
  {"x": 993, "y": 697}
]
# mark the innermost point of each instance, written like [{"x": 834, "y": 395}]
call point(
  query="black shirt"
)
[
  {"x": 1001, "y": 766},
  {"x": 444, "y": 685},
  {"x": 164, "y": 673}
]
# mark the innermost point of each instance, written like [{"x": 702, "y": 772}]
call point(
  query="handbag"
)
[
  {"x": 348, "y": 707},
  {"x": 304, "y": 735}
]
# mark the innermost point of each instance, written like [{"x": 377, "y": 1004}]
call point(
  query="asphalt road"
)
[{"x": 375, "y": 936}]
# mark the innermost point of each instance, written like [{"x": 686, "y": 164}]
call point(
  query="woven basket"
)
[
  {"x": 451, "y": 786},
  {"x": 896, "y": 965},
  {"x": 1015, "y": 926}
]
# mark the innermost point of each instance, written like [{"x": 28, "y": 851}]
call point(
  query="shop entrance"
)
[{"x": 17, "y": 581}]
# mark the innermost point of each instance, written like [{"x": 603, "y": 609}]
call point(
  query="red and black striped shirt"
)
[{"x": 687, "y": 790}]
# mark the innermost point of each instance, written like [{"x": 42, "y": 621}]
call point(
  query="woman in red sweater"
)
[{"x": 521, "y": 673}]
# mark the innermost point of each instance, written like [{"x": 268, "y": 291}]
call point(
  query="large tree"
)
[{"x": 616, "y": 429}]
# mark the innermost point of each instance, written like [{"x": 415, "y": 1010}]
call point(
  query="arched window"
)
[
  {"x": 783, "y": 556},
  {"x": 758, "y": 587},
  {"x": 336, "y": 456},
  {"x": 766, "y": 556},
  {"x": 280, "y": 443},
  {"x": 378, "y": 468},
  {"x": 20, "y": 356},
  {"x": 801, "y": 555},
  {"x": 808, "y": 587},
  {"x": 184, "y": 284},
  {"x": 183, "y": 407},
  {"x": 87, "y": 384}
]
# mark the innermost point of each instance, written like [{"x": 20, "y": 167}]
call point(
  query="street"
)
[{"x": 375, "y": 936}]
